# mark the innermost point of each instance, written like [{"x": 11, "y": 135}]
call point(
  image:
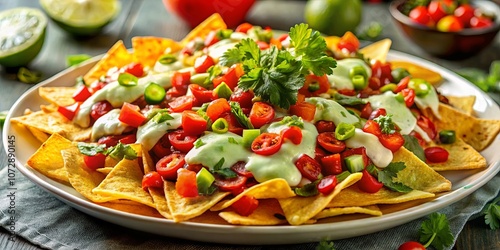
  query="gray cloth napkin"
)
[{"x": 49, "y": 223}]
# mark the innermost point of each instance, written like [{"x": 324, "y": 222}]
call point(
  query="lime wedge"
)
[
  {"x": 22, "y": 36},
  {"x": 81, "y": 17}
]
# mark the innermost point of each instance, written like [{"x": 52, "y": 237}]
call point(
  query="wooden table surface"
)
[{"x": 142, "y": 18}]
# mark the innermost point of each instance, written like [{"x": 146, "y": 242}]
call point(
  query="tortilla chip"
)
[
  {"x": 125, "y": 182},
  {"x": 418, "y": 175},
  {"x": 298, "y": 210},
  {"x": 160, "y": 202},
  {"x": 183, "y": 209},
  {"x": 213, "y": 22},
  {"x": 336, "y": 211},
  {"x": 275, "y": 188},
  {"x": 54, "y": 123},
  {"x": 462, "y": 156},
  {"x": 268, "y": 213},
  {"x": 463, "y": 103},
  {"x": 60, "y": 96},
  {"x": 48, "y": 159},
  {"x": 132, "y": 207},
  {"x": 354, "y": 197},
  {"x": 117, "y": 56},
  {"x": 148, "y": 49},
  {"x": 38, "y": 134},
  {"x": 418, "y": 71},
  {"x": 479, "y": 133},
  {"x": 377, "y": 50},
  {"x": 104, "y": 170}
]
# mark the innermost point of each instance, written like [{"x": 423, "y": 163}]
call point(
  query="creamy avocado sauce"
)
[
  {"x": 330, "y": 110},
  {"x": 160, "y": 68},
  {"x": 108, "y": 124},
  {"x": 380, "y": 155},
  {"x": 401, "y": 115},
  {"x": 430, "y": 100},
  {"x": 340, "y": 78},
  {"x": 151, "y": 132}
]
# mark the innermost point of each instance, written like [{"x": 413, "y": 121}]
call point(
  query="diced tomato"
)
[
  {"x": 69, "y": 111},
  {"x": 202, "y": 63},
  {"x": 81, "y": 94},
  {"x": 382, "y": 71},
  {"x": 349, "y": 42},
  {"x": 374, "y": 83},
  {"x": 292, "y": 133},
  {"x": 325, "y": 126},
  {"x": 368, "y": 183},
  {"x": 392, "y": 141},
  {"x": 244, "y": 98},
  {"x": 436, "y": 154},
  {"x": 167, "y": 166},
  {"x": 112, "y": 140},
  {"x": 319, "y": 153},
  {"x": 331, "y": 164},
  {"x": 308, "y": 167},
  {"x": 263, "y": 45},
  {"x": 356, "y": 151},
  {"x": 152, "y": 179},
  {"x": 402, "y": 84},
  {"x": 181, "y": 141},
  {"x": 266, "y": 144},
  {"x": 304, "y": 110},
  {"x": 234, "y": 185},
  {"x": 372, "y": 127},
  {"x": 261, "y": 114},
  {"x": 95, "y": 161},
  {"x": 234, "y": 126},
  {"x": 211, "y": 38},
  {"x": 409, "y": 96},
  {"x": 162, "y": 147},
  {"x": 427, "y": 125},
  {"x": 377, "y": 112},
  {"x": 244, "y": 27},
  {"x": 366, "y": 111},
  {"x": 217, "y": 107},
  {"x": 193, "y": 123},
  {"x": 99, "y": 109},
  {"x": 245, "y": 205},
  {"x": 186, "y": 183},
  {"x": 327, "y": 184},
  {"x": 231, "y": 77},
  {"x": 328, "y": 142},
  {"x": 131, "y": 115},
  {"x": 315, "y": 85},
  {"x": 201, "y": 94},
  {"x": 181, "y": 103},
  {"x": 175, "y": 92},
  {"x": 239, "y": 168},
  {"x": 194, "y": 167},
  {"x": 181, "y": 80},
  {"x": 135, "y": 69}
]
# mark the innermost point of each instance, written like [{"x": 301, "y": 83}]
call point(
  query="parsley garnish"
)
[
  {"x": 293, "y": 121},
  {"x": 387, "y": 126},
  {"x": 345, "y": 100},
  {"x": 436, "y": 232},
  {"x": 325, "y": 245},
  {"x": 243, "y": 120},
  {"x": 492, "y": 214},
  {"x": 388, "y": 173},
  {"x": 91, "y": 149},
  {"x": 198, "y": 143},
  {"x": 121, "y": 151},
  {"x": 411, "y": 143}
]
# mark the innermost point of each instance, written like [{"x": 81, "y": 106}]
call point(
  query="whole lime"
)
[
  {"x": 22, "y": 36},
  {"x": 333, "y": 17}
]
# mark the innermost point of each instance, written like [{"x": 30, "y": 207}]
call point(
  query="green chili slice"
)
[
  {"x": 358, "y": 70},
  {"x": 359, "y": 82},
  {"x": 28, "y": 76},
  {"x": 447, "y": 136},
  {"x": 388, "y": 87},
  {"x": 167, "y": 59},
  {"x": 399, "y": 73},
  {"x": 220, "y": 126},
  {"x": 127, "y": 80},
  {"x": 421, "y": 86},
  {"x": 154, "y": 93},
  {"x": 344, "y": 131}
]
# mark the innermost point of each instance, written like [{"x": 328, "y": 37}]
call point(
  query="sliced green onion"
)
[
  {"x": 204, "y": 180},
  {"x": 28, "y": 76},
  {"x": 359, "y": 82},
  {"x": 127, "y": 80},
  {"x": 167, "y": 59},
  {"x": 421, "y": 86},
  {"x": 220, "y": 126},
  {"x": 388, "y": 87},
  {"x": 223, "y": 91},
  {"x": 249, "y": 135},
  {"x": 342, "y": 176},
  {"x": 358, "y": 70},
  {"x": 154, "y": 93},
  {"x": 447, "y": 136},
  {"x": 73, "y": 60},
  {"x": 344, "y": 131}
]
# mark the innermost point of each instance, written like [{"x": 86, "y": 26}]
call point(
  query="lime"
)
[
  {"x": 22, "y": 36},
  {"x": 81, "y": 17},
  {"x": 333, "y": 17}
]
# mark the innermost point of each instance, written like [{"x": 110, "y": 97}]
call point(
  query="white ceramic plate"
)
[{"x": 464, "y": 182}]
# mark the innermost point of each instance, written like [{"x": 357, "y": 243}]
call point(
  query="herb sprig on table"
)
[{"x": 492, "y": 214}]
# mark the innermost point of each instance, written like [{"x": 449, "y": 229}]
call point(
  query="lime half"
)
[
  {"x": 81, "y": 17},
  {"x": 22, "y": 36}
]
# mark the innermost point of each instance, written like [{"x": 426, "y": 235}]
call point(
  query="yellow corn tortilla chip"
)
[
  {"x": 275, "y": 188},
  {"x": 183, "y": 209},
  {"x": 60, "y": 96},
  {"x": 147, "y": 49},
  {"x": 48, "y": 159},
  {"x": 268, "y": 213},
  {"x": 125, "y": 182},
  {"x": 160, "y": 202},
  {"x": 377, "y": 50},
  {"x": 117, "y": 56},
  {"x": 213, "y": 22},
  {"x": 353, "y": 196},
  {"x": 418, "y": 175},
  {"x": 298, "y": 210},
  {"x": 477, "y": 132},
  {"x": 38, "y": 134},
  {"x": 54, "y": 123},
  {"x": 132, "y": 207},
  {"x": 336, "y": 211},
  {"x": 418, "y": 71},
  {"x": 104, "y": 170},
  {"x": 463, "y": 103},
  {"x": 462, "y": 156}
]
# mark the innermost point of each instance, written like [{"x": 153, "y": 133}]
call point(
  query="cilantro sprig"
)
[
  {"x": 436, "y": 232},
  {"x": 387, "y": 175},
  {"x": 492, "y": 214},
  {"x": 276, "y": 75}
]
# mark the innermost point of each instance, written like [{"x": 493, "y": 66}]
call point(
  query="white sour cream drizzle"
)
[
  {"x": 380, "y": 155},
  {"x": 108, "y": 124},
  {"x": 151, "y": 132}
]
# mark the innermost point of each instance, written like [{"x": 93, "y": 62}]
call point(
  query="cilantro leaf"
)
[
  {"x": 325, "y": 245},
  {"x": 240, "y": 116},
  {"x": 293, "y": 121},
  {"x": 310, "y": 189},
  {"x": 121, "y": 151},
  {"x": 388, "y": 173},
  {"x": 91, "y": 149},
  {"x": 411, "y": 143},
  {"x": 348, "y": 100},
  {"x": 492, "y": 214},
  {"x": 227, "y": 173},
  {"x": 436, "y": 231},
  {"x": 387, "y": 126}
]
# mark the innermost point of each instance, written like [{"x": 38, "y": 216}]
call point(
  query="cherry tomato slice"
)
[
  {"x": 436, "y": 154},
  {"x": 266, "y": 144},
  {"x": 331, "y": 164},
  {"x": 99, "y": 109},
  {"x": 261, "y": 114},
  {"x": 308, "y": 167},
  {"x": 293, "y": 133},
  {"x": 162, "y": 147},
  {"x": 202, "y": 63},
  {"x": 95, "y": 161},
  {"x": 234, "y": 125},
  {"x": 181, "y": 80},
  {"x": 167, "y": 166},
  {"x": 327, "y": 184},
  {"x": 217, "y": 107},
  {"x": 368, "y": 183},
  {"x": 349, "y": 42},
  {"x": 427, "y": 125},
  {"x": 245, "y": 205},
  {"x": 377, "y": 112},
  {"x": 403, "y": 84},
  {"x": 193, "y": 123},
  {"x": 112, "y": 140},
  {"x": 325, "y": 126},
  {"x": 235, "y": 184},
  {"x": 411, "y": 245},
  {"x": 239, "y": 168},
  {"x": 201, "y": 94},
  {"x": 152, "y": 179},
  {"x": 231, "y": 77},
  {"x": 186, "y": 183},
  {"x": 181, "y": 141},
  {"x": 328, "y": 141},
  {"x": 181, "y": 103},
  {"x": 392, "y": 141}
]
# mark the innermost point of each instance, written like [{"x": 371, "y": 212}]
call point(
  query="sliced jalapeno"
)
[
  {"x": 220, "y": 126},
  {"x": 344, "y": 131},
  {"x": 421, "y": 86},
  {"x": 127, "y": 80},
  {"x": 154, "y": 93}
]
